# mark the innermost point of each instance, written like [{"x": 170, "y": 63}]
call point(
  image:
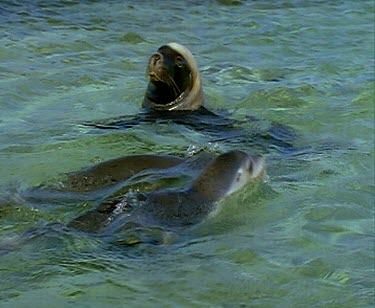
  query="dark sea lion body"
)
[
  {"x": 222, "y": 176},
  {"x": 116, "y": 170}
]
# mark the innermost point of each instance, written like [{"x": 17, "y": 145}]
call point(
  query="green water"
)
[{"x": 305, "y": 238}]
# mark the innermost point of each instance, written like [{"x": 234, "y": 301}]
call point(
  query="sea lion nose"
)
[
  {"x": 259, "y": 166},
  {"x": 157, "y": 59}
]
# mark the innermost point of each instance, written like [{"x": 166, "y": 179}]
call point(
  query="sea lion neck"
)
[
  {"x": 181, "y": 207},
  {"x": 158, "y": 93}
]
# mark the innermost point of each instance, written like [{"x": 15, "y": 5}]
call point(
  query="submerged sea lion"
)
[
  {"x": 224, "y": 175},
  {"x": 116, "y": 170},
  {"x": 174, "y": 81}
]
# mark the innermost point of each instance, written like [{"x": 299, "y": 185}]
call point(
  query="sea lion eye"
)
[
  {"x": 238, "y": 177},
  {"x": 179, "y": 61},
  {"x": 250, "y": 169}
]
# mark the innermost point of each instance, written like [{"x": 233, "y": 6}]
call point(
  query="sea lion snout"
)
[
  {"x": 156, "y": 60},
  {"x": 258, "y": 166},
  {"x": 155, "y": 67},
  {"x": 156, "y": 57}
]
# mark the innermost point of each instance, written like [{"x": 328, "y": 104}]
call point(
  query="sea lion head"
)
[
  {"x": 174, "y": 81},
  {"x": 228, "y": 173}
]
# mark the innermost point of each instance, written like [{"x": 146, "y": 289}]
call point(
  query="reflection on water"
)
[{"x": 303, "y": 238}]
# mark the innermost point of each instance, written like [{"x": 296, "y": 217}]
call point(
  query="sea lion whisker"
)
[
  {"x": 174, "y": 86},
  {"x": 168, "y": 80}
]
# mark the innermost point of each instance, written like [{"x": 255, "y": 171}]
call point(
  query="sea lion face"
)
[
  {"x": 228, "y": 173},
  {"x": 250, "y": 167},
  {"x": 174, "y": 82}
]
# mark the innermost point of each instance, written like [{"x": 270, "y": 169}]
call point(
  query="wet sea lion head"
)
[
  {"x": 174, "y": 81},
  {"x": 228, "y": 173}
]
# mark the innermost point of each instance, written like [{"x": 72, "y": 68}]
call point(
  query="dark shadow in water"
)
[{"x": 215, "y": 125}]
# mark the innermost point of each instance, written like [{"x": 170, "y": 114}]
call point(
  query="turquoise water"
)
[{"x": 305, "y": 238}]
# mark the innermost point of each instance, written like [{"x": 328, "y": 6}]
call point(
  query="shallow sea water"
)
[{"x": 305, "y": 238}]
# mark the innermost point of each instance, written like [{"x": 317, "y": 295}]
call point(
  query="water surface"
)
[{"x": 304, "y": 238}]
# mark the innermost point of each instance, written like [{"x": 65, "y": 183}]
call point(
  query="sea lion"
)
[
  {"x": 224, "y": 175},
  {"x": 116, "y": 170},
  {"x": 174, "y": 81},
  {"x": 174, "y": 95}
]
